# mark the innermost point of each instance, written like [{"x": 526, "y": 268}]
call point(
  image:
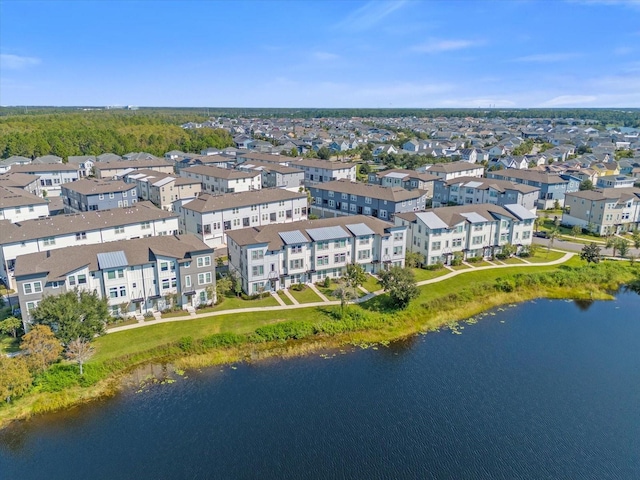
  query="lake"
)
[{"x": 546, "y": 389}]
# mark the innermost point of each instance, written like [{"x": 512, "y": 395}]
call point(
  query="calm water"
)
[{"x": 542, "y": 390}]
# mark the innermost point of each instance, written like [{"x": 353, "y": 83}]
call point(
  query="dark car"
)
[{"x": 541, "y": 234}]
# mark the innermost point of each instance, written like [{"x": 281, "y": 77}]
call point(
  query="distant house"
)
[
  {"x": 615, "y": 181},
  {"x": 52, "y": 176},
  {"x": 319, "y": 171},
  {"x": 454, "y": 170},
  {"x": 607, "y": 211},
  {"x": 17, "y": 205},
  {"x": 553, "y": 187},
  {"x": 84, "y": 164},
  {"x": 7, "y": 163},
  {"x": 407, "y": 179},
  {"x": 217, "y": 180},
  {"x": 276, "y": 175},
  {"x": 123, "y": 167},
  {"x": 162, "y": 189}
]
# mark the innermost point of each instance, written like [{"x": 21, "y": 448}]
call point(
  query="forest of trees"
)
[{"x": 92, "y": 133}]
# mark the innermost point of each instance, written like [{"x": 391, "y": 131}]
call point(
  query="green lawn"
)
[
  {"x": 460, "y": 267},
  {"x": 305, "y": 296},
  {"x": 542, "y": 256},
  {"x": 8, "y": 344},
  {"x": 284, "y": 298},
  {"x": 371, "y": 284},
  {"x": 422, "y": 274},
  {"x": 233, "y": 303},
  {"x": 513, "y": 261},
  {"x": 145, "y": 338}
]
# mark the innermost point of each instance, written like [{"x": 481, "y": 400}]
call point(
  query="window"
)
[
  {"x": 339, "y": 258},
  {"x": 340, "y": 243},
  {"x": 398, "y": 236},
  {"x": 322, "y": 260},
  {"x": 101, "y": 196},
  {"x": 34, "y": 287},
  {"x": 477, "y": 240},
  {"x": 113, "y": 292},
  {"x": 119, "y": 229},
  {"x": 367, "y": 200},
  {"x": 322, "y": 245},
  {"x": 257, "y": 270},
  {"x": 81, "y": 236},
  {"x": 363, "y": 254},
  {"x": 456, "y": 242},
  {"x": 296, "y": 249},
  {"x": 204, "y": 261},
  {"x": 72, "y": 280},
  {"x": 435, "y": 246},
  {"x": 332, "y": 203},
  {"x": 345, "y": 196},
  {"x": 354, "y": 198},
  {"x": 526, "y": 235},
  {"x": 363, "y": 241},
  {"x": 257, "y": 255},
  {"x": 187, "y": 281},
  {"x": 204, "y": 278},
  {"x": 31, "y": 305},
  {"x": 164, "y": 266},
  {"x": 145, "y": 225},
  {"x": 82, "y": 279},
  {"x": 165, "y": 283},
  {"x": 397, "y": 250},
  {"x": 49, "y": 241},
  {"x": 297, "y": 263},
  {"x": 174, "y": 282},
  {"x": 330, "y": 193}
]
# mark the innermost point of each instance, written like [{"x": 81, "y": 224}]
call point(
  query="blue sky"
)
[{"x": 554, "y": 53}]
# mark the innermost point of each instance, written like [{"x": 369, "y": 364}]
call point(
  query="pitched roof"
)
[
  {"x": 93, "y": 186},
  {"x": 316, "y": 163},
  {"x": 308, "y": 229},
  {"x": 486, "y": 183},
  {"x": 453, "y": 167},
  {"x": 218, "y": 172},
  {"x": 81, "y": 222},
  {"x": 17, "y": 197},
  {"x": 448, "y": 217},
  {"x": 57, "y": 263},
  {"x": 394, "y": 194},
  {"x": 137, "y": 164},
  {"x": 44, "y": 167},
  {"x": 210, "y": 203}
]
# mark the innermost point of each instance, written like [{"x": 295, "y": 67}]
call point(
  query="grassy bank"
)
[{"x": 251, "y": 336}]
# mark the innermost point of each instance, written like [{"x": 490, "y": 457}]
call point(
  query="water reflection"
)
[{"x": 583, "y": 304}]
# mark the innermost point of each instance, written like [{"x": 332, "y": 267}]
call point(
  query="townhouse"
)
[
  {"x": 119, "y": 168},
  {"x": 276, "y": 257},
  {"x": 218, "y": 180},
  {"x": 86, "y": 228},
  {"x": 474, "y": 190},
  {"x": 135, "y": 276},
  {"x": 342, "y": 197},
  {"x": 162, "y": 189},
  {"x": 451, "y": 170},
  {"x": 407, "y": 179},
  {"x": 553, "y": 187},
  {"x": 468, "y": 230},
  {"x": 319, "y": 171},
  {"x": 604, "y": 211},
  {"x": 17, "y": 205},
  {"x": 615, "y": 181},
  {"x": 211, "y": 217},
  {"x": 90, "y": 194},
  {"x": 28, "y": 183},
  {"x": 276, "y": 175},
  {"x": 52, "y": 176}
]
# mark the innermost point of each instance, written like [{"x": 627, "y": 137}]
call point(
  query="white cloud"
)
[
  {"x": 570, "y": 101},
  {"x": 437, "y": 46},
  {"x": 547, "y": 57},
  {"x": 370, "y": 14},
  {"x": 16, "y": 62},
  {"x": 325, "y": 56}
]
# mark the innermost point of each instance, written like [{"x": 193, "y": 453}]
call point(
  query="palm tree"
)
[
  {"x": 552, "y": 235},
  {"x": 612, "y": 243}
]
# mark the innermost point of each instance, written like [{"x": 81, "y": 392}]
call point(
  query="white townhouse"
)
[
  {"x": 52, "y": 175},
  {"x": 218, "y": 180},
  {"x": 18, "y": 205},
  {"x": 275, "y": 257},
  {"x": 86, "y": 228},
  {"x": 210, "y": 217},
  {"x": 320, "y": 171},
  {"x": 473, "y": 230},
  {"x": 452, "y": 170},
  {"x": 136, "y": 276}
]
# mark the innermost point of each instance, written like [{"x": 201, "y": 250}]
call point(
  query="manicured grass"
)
[
  {"x": 542, "y": 256},
  {"x": 422, "y": 274},
  {"x": 8, "y": 344},
  {"x": 285, "y": 298},
  {"x": 305, "y": 296},
  {"x": 481, "y": 264},
  {"x": 140, "y": 339},
  {"x": 460, "y": 267},
  {"x": 233, "y": 303},
  {"x": 371, "y": 284},
  {"x": 513, "y": 261}
]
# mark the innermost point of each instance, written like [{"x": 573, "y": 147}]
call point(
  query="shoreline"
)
[{"x": 398, "y": 326}]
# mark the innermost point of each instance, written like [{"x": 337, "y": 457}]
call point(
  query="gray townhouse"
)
[
  {"x": 162, "y": 189},
  {"x": 122, "y": 167},
  {"x": 52, "y": 176},
  {"x": 91, "y": 194},
  {"x": 28, "y": 183},
  {"x": 320, "y": 171},
  {"x": 216, "y": 180},
  {"x": 276, "y": 175},
  {"x": 553, "y": 187},
  {"x": 342, "y": 197},
  {"x": 137, "y": 277},
  {"x": 454, "y": 169},
  {"x": 407, "y": 179},
  {"x": 474, "y": 190}
]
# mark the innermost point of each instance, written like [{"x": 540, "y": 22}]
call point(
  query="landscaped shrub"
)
[
  {"x": 58, "y": 378},
  {"x": 434, "y": 267},
  {"x": 286, "y": 330},
  {"x": 505, "y": 284},
  {"x": 327, "y": 282},
  {"x": 298, "y": 287},
  {"x": 186, "y": 344},
  {"x": 474, "y": 259}
]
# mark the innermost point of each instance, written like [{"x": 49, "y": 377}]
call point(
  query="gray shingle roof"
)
[{"x": 211, "y": 203}]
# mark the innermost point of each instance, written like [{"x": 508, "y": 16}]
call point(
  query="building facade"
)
[
  {"x": 92, "y": 194},
  {"x": 606, "y": 211},
  {"x": 136, "y": 276},
  {"x": 216, "y": 180},
  {"x": 553, "y": 187},
  {"x": 52, "y": 176},
  {"x": 276, "y": 257},
  {"x": 162, "y": 189}
]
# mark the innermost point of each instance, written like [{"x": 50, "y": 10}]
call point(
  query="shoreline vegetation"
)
[{"x": 255, "y": 336}]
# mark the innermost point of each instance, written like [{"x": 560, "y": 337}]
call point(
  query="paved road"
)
[
  {"x": 454, "y": 273},
  {"x": 577, "y": 247}
]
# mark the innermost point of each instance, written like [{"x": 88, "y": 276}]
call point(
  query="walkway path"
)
[
  {"x": 326, "y": 301},
  {"x": 278, "y": 299},
  {"x": 318, "y": 292}
]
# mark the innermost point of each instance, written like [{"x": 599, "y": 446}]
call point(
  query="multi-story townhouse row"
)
[
  {"x": 275, "y": 175},
  {"x": 136, "y": 276},
  {"x": 210, "y": 217},
  {"x": 52, "y": 176},
  {"x": 451, "y": 170},
  {"x": 553, "y": 187},
  {"x": 17, "y": 205},
  {"x": 605, "y": 211},
  {"x": 615, "y": 181},
  {"x": 123, "y": 167},
  {"x": 86, "y": 228},
  {"x": 90, "y": 194},
  {"x": 28, "y": 183},
  {"x": 275, "y": 257},
  {"x": 84, "y": 164},
  {"x": 263, "y": 157},
  {"x": 474, "y": 190},
  {"x": 342, "y": 197},
  {"x": 320, "y": 171},
  {"x": 473, "y": 230},
  {"x": 407, "y": 179},
  {"x": 216, "y": 180},
  {"x": 162, "y": 189}
]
